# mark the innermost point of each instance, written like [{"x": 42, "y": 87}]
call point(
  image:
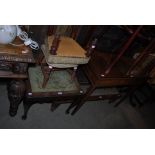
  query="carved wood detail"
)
[
  {"x": 15, "y": 67},
  {"x": 16, "y": 91}
]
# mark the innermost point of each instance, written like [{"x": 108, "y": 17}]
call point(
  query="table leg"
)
[{"x": 16, "y": 90}]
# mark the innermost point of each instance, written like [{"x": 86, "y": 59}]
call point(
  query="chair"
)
[
  {"x": 115, "y": 70},
  {"x": 51, "y": 81},
  {"x": 63, "y": 52}
]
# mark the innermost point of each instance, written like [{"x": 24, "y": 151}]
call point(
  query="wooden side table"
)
[{"x": 14, "y": 62}]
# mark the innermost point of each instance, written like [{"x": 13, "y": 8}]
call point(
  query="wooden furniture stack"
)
[
  {"x": 54, "y": 79},
  {"x": 67, "y": 54},
  {"x": 115, "y": 70}
]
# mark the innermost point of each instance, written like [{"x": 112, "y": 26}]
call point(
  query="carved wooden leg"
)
[{"x": 16, "y": 91}]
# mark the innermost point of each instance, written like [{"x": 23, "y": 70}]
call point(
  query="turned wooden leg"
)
[
  {"x": 16, "y": 91},
  {"x": 74, "y": 73},
  {"x": 80, "y": 102}
]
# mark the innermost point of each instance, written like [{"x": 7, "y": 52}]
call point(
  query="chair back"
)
[
  {"x": 143, "y": 63},
  {"x": 64, "y": 30}
]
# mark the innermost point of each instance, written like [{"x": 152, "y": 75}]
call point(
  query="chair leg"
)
[
  {"x": 27, "y": 106},
  {"x": 131, "y": 100},
  {"x": 121, "y": 100},
  {"x": 128, "y": 93},
  {"x": 77, "y": 108},
  {"x": 54, "y": 106},
  {"x": 138, "y": 101},
  {"x": 74, "y": 73},
  {"x": 112, "y": 100},
  {"x": 72, "y": 105},
  {"x": 46, "y": 74},
  {"x": 82, "y": 100}
]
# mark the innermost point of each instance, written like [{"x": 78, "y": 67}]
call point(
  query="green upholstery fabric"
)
[{"x": 60, "y": 81}]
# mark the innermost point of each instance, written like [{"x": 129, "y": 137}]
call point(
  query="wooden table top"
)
[{"x": 22, "y": 53}]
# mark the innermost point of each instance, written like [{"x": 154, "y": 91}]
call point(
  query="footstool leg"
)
[
  {"x": 80, "y": 103},
  {"x": 26, "y": 109}
]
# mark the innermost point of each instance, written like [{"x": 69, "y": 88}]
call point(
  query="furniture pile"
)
[{"x": 54, "y": 79}]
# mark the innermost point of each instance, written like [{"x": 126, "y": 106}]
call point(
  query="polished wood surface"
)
[
  {"x": 16, "y": 53},
  {"x": 14, "y": 60},
  {"x": 10, "y": 74}
]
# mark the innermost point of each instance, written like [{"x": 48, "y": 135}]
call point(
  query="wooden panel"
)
[{"x": 9, "y": 74}]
